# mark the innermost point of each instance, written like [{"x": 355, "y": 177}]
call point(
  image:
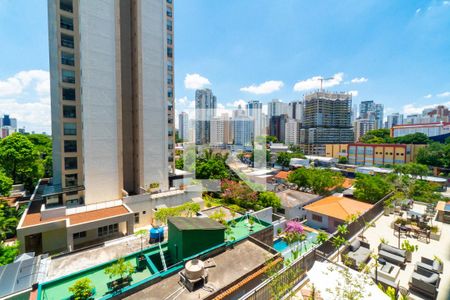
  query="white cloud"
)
[
  {"x": 444, "y": 94},
  {"x": 314, "y": 82},
  {"x": 418, "y": 10},
  {"x": 195, "y": 81},
  {"x": 26, "y": 97},
  {"x": 266, "y": 87},
  {"x": 354, "y": 93},
  {"x": 410, "y": 109},
  {"x": 428, "y": 96},
  {"x": 359, "y": 80},
  {"x": 446, "y": 3},
  {"x": 236, "y": 103},
  {"x": 181, "y": 101}
]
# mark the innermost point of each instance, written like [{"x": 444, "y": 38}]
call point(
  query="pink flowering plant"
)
[{"x": 294, "y": 227}]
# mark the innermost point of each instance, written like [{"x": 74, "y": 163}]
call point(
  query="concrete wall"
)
[
  {"x": 323, "y": 224},
  {"x": 54, "y": 241},
  {"x": 99, "y": 100},
  {"x": 264, "y": 214}
]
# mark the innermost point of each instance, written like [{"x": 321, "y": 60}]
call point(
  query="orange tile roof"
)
[
  {"x": 348, "y": 183},
  {"x": 34, "y": 217},
  {"x": 283, "y": 175},
  {"x": 338, "y": 207}
]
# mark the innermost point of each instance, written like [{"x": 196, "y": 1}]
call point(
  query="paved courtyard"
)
[{"x": 439, "y": 248}]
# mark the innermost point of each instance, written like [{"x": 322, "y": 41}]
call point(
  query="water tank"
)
[
  {"x": 156, "y": 234},
  {"x": 194, "y": 269}
]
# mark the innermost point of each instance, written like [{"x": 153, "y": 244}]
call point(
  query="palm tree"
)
[
  {"x": 338, "y": 241},
  {"x": 342, "y": 229},
  {"x": 322, "y": 237}
]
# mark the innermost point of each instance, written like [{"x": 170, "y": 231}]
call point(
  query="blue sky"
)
[{"x": 396, "y": 52}]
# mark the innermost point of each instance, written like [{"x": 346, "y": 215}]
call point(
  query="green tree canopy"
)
[
  {"x": 318, "y": 181},
  {"x": 43, "y": 144},
  {"x": 82, "y": 289},
  {"x": 370, "y": 188},
  {"x": 5, "y": 184},
  {"x": 269, "y": 199},
  {"x": 436, "y": 154},
  {"x": 377, "y": 136},
  {"x": 20, "y": 160},
  {"x": 414, "y": 169},
  {"x": 284, "y": 158}
]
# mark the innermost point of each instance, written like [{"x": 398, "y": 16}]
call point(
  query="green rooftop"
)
[{"x": 183, "y": 223}]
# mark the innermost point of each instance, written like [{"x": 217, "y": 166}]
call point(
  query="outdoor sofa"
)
[
  {"x": 425, "y": 282},
  {"x": 432, "y": 265},
  {"x": 392, "y": 254},
  {"x": 357, "y": 253}
]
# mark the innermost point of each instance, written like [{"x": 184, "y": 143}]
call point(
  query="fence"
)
[{"x": 283, "y": 282}]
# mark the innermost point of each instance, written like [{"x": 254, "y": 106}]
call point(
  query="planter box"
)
[{"x": 435, "y": 236}]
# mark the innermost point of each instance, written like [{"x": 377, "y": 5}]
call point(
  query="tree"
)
[
  {"x": 436, "y": 154},
  {"x": 343, "y": 160},
  {"x": 414, "y": 169},
  {"x": 239, "y": 193},
  {"x": 269, "y": 199},
  {"x": 5, "y": 184},
  {"x": 141, "y": 234},
  {"x": 82, "y": 289},
  {"x": 377, "y": 136},
  {"x": 179, "y": 163},
  {"x": 414, "y": 138},
  {"x": 266, "y": 139},
  {"x": 371, "y": 189},
  {"x": 120, "y": 269},
  {"x": 9, "y": 218},
  {"x": 8, "y": 253},
  {"x": 284, "y": 158},
  {"x": 318, "y": 181},
  {"x": 43, "y": 145},
  {"x": 211, "y": 169},
  {"x": 20, "y": 160},
  {"x": 338, "y": 241},
  {"x": 322, "y": 237}
]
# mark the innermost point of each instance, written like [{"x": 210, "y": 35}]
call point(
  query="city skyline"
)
[{"x": 253, "y": 60}]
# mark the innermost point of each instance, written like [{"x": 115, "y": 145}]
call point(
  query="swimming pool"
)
[{"x": 281, "y": 246}]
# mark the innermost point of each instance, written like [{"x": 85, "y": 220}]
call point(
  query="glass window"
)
[
  {"x": 66, "y": 23},
  {"x": 79, "y": 235},
  {"x": 69, "y": 111},
  {"x": 169, "y": 25},
  {"x": 70, "y": 163},
  {"x": 71, "y": 180},
  {"x": 70, "y": 129},
  {"x": 68, "y": 76},
  {"x": 136, "y": 218},
  {"x": 169, "y": 39},
  {"x": 66, "y": 6},
  {"x": 317, "y": 218},
  {"x": 170, "y": 92},
  {"x": 67, "y": 41},
  {"x": 107, "y": 230},
  {"x": 68, "y": 94},
  {"x": 70, "y": 146},
  {"x": 169, "y": 52},
  {"x": 67, "y": 58},
  {"x": 170, "y": 79},
  {"x": 169, "y": 12},
  {"x": 169, "y": 66}
]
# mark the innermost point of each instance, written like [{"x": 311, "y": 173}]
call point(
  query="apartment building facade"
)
[{"x": 205, "y": 110}]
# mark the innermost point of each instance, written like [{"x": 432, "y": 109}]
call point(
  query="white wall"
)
[
  {"x": 99, "y": 100},
  {"x": 154, "y": 76}
]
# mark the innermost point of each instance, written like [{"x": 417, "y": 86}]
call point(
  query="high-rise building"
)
[
  {"x": 327, "y": 119},
  {"x": 292, "y": 131},
  {"x": 362, "y": 126},
  {"x": 243, "y": 128},
  {"x": 7, "y": 126},
  {"x": 277, "y": 127},
  {"x": 112, "y": 123},
  {"x": 394, "y": 119},
  {"x": 277, "y": 108},
  {"x": 183, "y": 126},
  {"x": 219, "y": 130},
  {"x": 373, "y": 111},
  {"x": 295, "y": 110},
  {"x": 254, "y": 110},
  {"x": 205, "y": 110}
]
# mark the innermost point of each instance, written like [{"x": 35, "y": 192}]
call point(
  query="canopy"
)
[{"x": 332, "y": 280}]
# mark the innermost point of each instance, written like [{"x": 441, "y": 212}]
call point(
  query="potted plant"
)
[
  {"x": 120, "y": 269},
  {"x": 386, "y": 208},
  {"x": 82, "y": 289},
  {"x": 153, "y": 187},
  {"x": 391, "y": 208},
  {"x": 410, "y": 248},
  {"x": 279, "y": 231}
]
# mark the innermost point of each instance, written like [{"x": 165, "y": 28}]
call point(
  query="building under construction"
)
[{"x": 327, "y": 119}]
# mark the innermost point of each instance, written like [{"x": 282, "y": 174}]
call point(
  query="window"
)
[
  {"x": 169, "y": 1},
  {"x": 66, "y": 23},
  {"x": 70, "y": 146},
  {"x": 68, "y": 76},
  {"x": 70, "y": 129},
  {"x": 70, "y": 163},
  {"x": 136, "y": 218},
  {"x": 79, "y": 235},
  {"x": 317, "y": 218},
  {"x": 169, "y": 66},
  {"x": 169, "y": 52},
  {"x": 170, "y": 79},
  {"x": 69, "y": 111},
  {"x": 66, "y": 6},
  {"x": 108, "y": 230},
  {"x": 67, "y": 41},
  {"x": 71, "y": 180},
  {"x": 68, "y": 94},
  {"x": 169, "y": 25},
  {"x": 67, "y": 59},
  {"x": 170, "y": 92},
  {"x": 169, "y": 39},
  {"x": 169, "y": 12}
]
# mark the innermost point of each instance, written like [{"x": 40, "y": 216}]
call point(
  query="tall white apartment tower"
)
[
  {"x": 111, "y": 66},
  {"x": 183, "y": 126}
]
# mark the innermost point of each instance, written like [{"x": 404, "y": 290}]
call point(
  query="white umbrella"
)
[{"x": 333, "y": 281}]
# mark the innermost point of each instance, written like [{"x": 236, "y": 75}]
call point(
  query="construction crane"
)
[{"x": 321, "y": 81}]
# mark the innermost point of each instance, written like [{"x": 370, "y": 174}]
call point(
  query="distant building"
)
[
  {"x": 277, "y": 108},
  {"x": 295, "y": 111},
  {"x": 183, "y": 126},
  {"x": 242, "y": 128},
  {"x": 277, "y": 127},
  {"x": 394, "y": 119},
  {"x": 372, "y": 111},
  {"x": 205, "y": 110},
  {"x": 362, "y": 126},
  {"x": 254, "y": 110},
  {"x": 429, "y": 129},
  {"x": 7, "y": 126},
  {"x": 220, "y": 130},
  {"x": 374, "y": 154},
  {"x": 292, "y": 203},
  {"x": 292, "y": 132},
  {"x": 327, "y": 119}
]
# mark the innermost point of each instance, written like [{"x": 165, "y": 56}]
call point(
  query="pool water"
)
[{"x": 281, "y": 246}]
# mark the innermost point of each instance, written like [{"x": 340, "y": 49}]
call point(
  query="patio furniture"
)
[
  {"x": 432, "y": 265},
  {"x": 425, "y": 282},
  {"x": 388, "y": 271},
  {"x": 357, "y": 252},
  {"x": 392, "y": 254}
]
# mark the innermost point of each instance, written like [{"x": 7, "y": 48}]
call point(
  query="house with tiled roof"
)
[{"x": 330, "y": 212}]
